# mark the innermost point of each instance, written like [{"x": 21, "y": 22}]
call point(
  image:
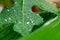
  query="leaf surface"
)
[{"x": 20, "y": 13}]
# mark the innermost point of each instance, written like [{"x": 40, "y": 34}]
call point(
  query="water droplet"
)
[
  {"x": 5, "y": 20},
  {"x": 32, "y": 21},
  {"x": 27, "y": 22},
  {"x": 37, "y": 14},
  {"x": 19, "y": 22},
  {"x": 8, "y": 10},
  {"x": 15, "y": 2},
  {"x": 9, "y": 18}
]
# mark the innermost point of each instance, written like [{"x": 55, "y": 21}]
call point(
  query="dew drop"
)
[
  {"x": 32, "y": 21},
  {"x": 8, "y": 10},
  {"x": 27, "y": 22},
  {"x": 5, "y": 20},
  {"x": 37, "y": 14},
  {"x": 15, "y": 2},
  {"x": 19, "y": 22},
  {"x": 9, "y": 18}
]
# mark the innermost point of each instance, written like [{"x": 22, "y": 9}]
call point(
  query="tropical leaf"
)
[{"x": 20, "y": 13}]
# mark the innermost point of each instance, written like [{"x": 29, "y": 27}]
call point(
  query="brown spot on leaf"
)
[{"x": 36, "y": 9}]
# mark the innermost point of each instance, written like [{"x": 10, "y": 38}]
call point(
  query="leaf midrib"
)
[{"x": 23, "y": 14}]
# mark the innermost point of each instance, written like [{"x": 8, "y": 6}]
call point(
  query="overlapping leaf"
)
[
  {"x": 47, "y": 6},
  {"x": 20, "y": 13}
]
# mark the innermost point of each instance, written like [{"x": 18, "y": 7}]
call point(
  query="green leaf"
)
[
  {"x": 47, "y": 6},
  {"x": 29, "y": 19},
  {"x": 46, "y": 32},
  {"x": 20, "y": 13}
]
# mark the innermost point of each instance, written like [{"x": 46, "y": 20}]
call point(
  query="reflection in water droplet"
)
[{"x": 5, "y": 20}]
